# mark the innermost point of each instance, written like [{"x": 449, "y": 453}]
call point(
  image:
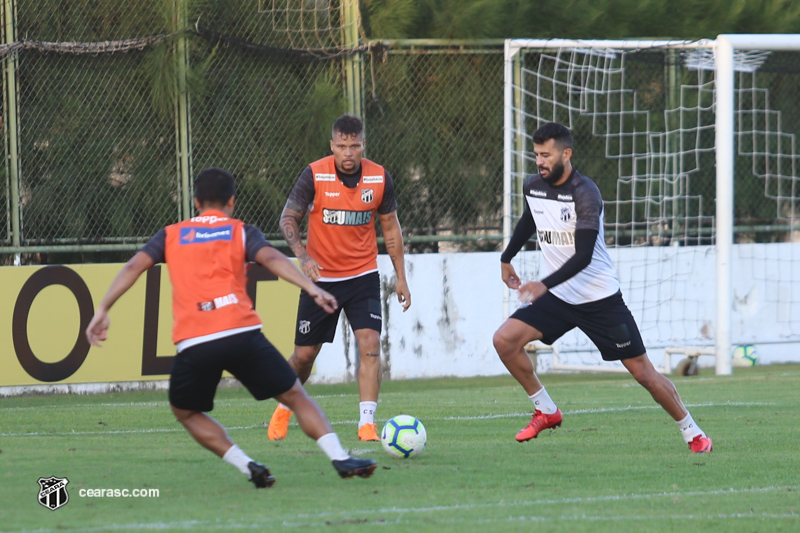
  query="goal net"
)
[
  {"x": 645, "y": 117},
  {"x": 321, "y": 27}
]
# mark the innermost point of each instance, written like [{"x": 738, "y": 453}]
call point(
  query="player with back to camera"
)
[
  {"x": 215, "y": 327},
  {"x": 342, "y": 193},
  {"x": 580, "y": 290}
]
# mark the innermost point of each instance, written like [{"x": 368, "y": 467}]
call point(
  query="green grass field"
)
[{"x": 618, "y": 463}]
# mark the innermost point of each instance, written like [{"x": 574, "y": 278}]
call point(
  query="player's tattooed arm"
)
[
  {"x": 290, "y": 226},
  {"x": 393, "y": 239},
  {"x": 291, "y": 216}
]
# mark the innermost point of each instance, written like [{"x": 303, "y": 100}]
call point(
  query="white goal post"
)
[{"x": 662, "y": 145}]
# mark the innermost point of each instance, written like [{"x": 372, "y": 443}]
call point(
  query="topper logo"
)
[{"x": 210, "y": 219}]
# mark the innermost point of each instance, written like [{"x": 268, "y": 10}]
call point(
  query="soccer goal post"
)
[{"x": 669, "y": 130}]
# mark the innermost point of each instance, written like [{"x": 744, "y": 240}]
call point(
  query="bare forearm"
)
[
  {"x": 125, "y": 279},
  {"x": 291, "y": 232},
  {"x": 282, "y": 267},
  {"x": 394, "y": 247},
  {"x": 291, "y": 216},
  {"x": 393, "y": 240}
]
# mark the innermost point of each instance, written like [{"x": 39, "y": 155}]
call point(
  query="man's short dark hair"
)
[
  {"x": 553, "y": 130},
  {"x": 214, "y": 186},
  {"x": 348, "y": 125}
]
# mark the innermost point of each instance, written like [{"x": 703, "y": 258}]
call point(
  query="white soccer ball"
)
[
  {"x": 745, "y": 355},
  {"x": 403, "y": 436}
]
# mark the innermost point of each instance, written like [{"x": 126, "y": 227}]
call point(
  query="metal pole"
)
[
  {"x": 353, "y": 62},
  {"x": 508, "y": 136},
  {"x": 548, "y": 44},
  {"x": 673, "y": 101},
  {"x": 13, "y": 125},
  {"x": 509, "y": 55},
  {"x": 724, "y": 79},
  {"x": 519, "y": 140},
  {"x": 182, "y": 126}
]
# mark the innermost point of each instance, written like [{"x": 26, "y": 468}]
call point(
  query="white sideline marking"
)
[
  {"x": 347, "y": 422},
  {"x": 83, "y": 406},
  {"x": 324, "y": 517},
  {"x": 608, "y": 410}
]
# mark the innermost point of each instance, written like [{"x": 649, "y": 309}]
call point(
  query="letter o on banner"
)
[{"x": 42, "y": 278}]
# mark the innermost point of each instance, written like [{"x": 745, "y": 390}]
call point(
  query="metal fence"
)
[{"x": 111, "y": 108}]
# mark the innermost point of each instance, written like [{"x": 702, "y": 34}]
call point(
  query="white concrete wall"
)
[{"x": 457, "y": 304}]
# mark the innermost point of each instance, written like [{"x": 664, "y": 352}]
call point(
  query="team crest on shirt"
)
[
  {"x": 566, "y": 214},
  {"x": 367, "y": 195}
]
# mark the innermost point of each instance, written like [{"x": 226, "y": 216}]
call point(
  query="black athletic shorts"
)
[
  {"x": 607, "y": 322},
  {"x": 249, "y": 356},
  {"x": 360, "y": 298}
]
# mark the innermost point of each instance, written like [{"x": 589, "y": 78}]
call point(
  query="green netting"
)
[
  {"x": 98, "y": 85},
  {"x": 5, "y": 220},
  {"x": 436, "y": 123}
]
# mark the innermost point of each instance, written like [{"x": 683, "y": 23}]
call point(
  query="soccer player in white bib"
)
[{"x": 581, "y": 288}]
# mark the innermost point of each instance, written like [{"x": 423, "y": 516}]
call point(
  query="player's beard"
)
[{"x": 555, "y": 173}]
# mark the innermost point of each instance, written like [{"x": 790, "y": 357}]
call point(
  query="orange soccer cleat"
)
[
  {"x": 539, "y": 422},
  {"x": 279, "y": 424},
  {"x": 368, "y": 432},
  {"x": 701, "y": 444}
]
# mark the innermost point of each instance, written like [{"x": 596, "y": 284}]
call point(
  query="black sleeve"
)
[
  {"x": 524, "y": 230},
  {"x": 389, "y": 203},
  {"x": 303, "y": 191},
  {"x": 584, "y": 248},
  {"x": 253, "y": 242},
  {"x": 155, "y": 246}
]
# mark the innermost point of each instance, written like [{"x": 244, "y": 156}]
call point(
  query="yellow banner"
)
[{"x": 46, "y": 311}]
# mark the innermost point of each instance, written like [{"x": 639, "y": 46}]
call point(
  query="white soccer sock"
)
[
  {"x": 542, "y": 402},
  {"x": 689, "y": 429},
  {"x": 367, "y": 412},
  {"x": 329, "y": 443},
  {"x": 237, "y": 458},
  {"x": 283, "y": 406}
]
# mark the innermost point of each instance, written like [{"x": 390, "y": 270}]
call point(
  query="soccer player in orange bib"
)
[
  {"x": 216, "y": 329},
  {"x": 342, "y": 194}
]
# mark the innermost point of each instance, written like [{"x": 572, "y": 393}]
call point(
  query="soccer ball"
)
[
  {"x": 745, "y": 355},
  {"x": 403, "y": 436}
]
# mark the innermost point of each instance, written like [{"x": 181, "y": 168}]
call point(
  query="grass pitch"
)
[{"x": 618, "y": 463}]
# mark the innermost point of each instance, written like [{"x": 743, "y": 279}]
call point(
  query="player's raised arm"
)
[{"x": 98, "y": 326}]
